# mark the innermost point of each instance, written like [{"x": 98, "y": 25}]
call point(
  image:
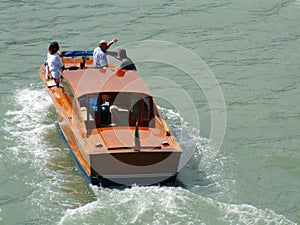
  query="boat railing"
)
[
  {"x": 77, "y": 53},
  {"x": 82, "y": 57}
]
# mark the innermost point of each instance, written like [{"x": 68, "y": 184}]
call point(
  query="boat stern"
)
[{"x": 147, "y": 167}]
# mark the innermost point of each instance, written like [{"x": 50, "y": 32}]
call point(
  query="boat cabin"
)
[
  {"x": 117, "y": 109},
  {"x": 109, "y": 97}
]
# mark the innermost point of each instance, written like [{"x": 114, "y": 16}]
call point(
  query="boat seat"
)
[
  {"x": 119, "y": 116},
  {"x": 84, "y": 114}
]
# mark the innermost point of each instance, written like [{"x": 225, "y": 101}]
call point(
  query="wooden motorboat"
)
[{"x": 112, "y": 125}]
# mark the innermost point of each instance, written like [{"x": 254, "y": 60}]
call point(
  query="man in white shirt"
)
[{"x": 100, "y": 59}]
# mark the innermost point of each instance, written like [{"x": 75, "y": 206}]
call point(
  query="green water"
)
[{"x": 251, "y": 47}]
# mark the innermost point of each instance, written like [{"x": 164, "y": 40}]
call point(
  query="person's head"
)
[
  {"x": 53, "y": 47},
  {"x": 105, "y": 98},
  {"x": 103, "y": 45},
  {"x": 122, "y": 53}
]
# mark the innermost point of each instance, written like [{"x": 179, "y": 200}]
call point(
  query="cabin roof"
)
[{"x": 93, "y": 80}]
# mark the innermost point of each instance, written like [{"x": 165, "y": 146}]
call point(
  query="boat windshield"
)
[{"x": 117, "y": 109}]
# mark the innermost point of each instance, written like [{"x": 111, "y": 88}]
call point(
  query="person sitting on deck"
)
[
  {"x": 126, "y": 62},
  {"x": 54, "y": 62},
  {"x": 99, "y": 56}
]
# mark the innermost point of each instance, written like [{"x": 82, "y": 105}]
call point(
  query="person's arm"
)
[
  {"x": 113, "y": 54},
  {"x": 59, "y": 63},
  {"x": 60, "y": 54},
  {"x": 115, "y": 40}
]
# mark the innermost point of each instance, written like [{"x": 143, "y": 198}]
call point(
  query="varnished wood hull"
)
[
  {"x": 106, "y": 166},
  {"x": 126, "y": 168}
]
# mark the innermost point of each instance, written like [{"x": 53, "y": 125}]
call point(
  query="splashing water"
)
[
  {"x": 25, "y": 126},
  {"x": 189, "y": 137},
  {"x": 164, "y": 205},
  {"x": 37, "y": 160}
]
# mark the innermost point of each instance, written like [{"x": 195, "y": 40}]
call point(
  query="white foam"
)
[
  {"x": 127, "y": 206},
  {"x": 165, "y": 205},
  {"x": 26, "y": 124},
  {"x": 189, "y": 137},
  {"x": 28, "y": 154},
  {"x": 201, "y": 168},
  {"x": 248, "y": 214}
]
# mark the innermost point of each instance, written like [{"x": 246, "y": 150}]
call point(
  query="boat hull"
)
[
  {"x": 146, "y": 167},
  {"x": 110, "y": 155}
]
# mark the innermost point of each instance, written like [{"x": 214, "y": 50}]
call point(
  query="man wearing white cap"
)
[{"x": 100, "y": 59}]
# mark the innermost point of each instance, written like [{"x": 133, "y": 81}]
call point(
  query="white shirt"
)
[
  {"x": 55, "y": 65},
  {"x": 100, "y": 59}
]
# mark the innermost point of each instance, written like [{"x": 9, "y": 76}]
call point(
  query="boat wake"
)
[
  {"x": 165, "y": 205},
  {"x": 175, "y": 205},
  {"x": 194, "y": 145},
  {"x": 195, "y": 149},
  {"x": 41, "y": 173},
  {"x": 27, "y": 124}
]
